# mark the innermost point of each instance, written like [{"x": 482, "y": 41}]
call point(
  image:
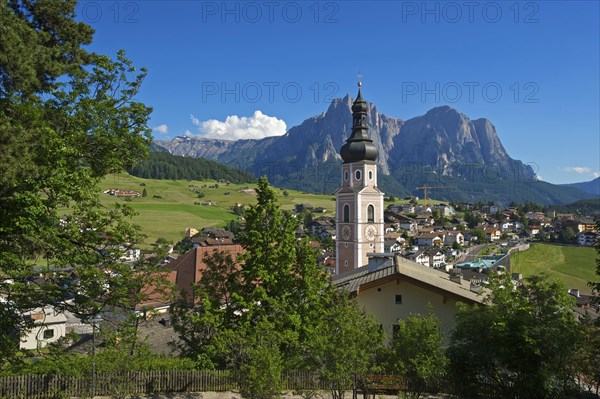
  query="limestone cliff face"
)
[
  {"x": 447, "y": 140},
  {"x": 441, "y": 139}
]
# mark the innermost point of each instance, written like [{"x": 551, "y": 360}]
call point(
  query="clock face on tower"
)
[
  {"x": 346, "y": 232},
  {"x": 370, "y": 232}
]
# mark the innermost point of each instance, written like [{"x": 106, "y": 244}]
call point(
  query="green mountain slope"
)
[{"x": 162, "y": 165}]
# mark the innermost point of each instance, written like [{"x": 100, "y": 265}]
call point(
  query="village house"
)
[
  {"x": 430, "y": 239},
  {"x": 586, "y": 308},
  {"x": 187, "y": 269},
  {"x": 437, "y": 258},
  {"x": 123, "y": 193},
  {"x": 445, "y": 210},
  {"x": 513, "y": 226},
  {"x": 539, "y": 216},
  {"x": 533, "y": 230},
  {"x": 393, "y": 236},
  {"x": 323, "y": 225},
  {"x": 451, "y": 252},
  {"x": 454, "y": 236},
  {"x": 49, "y": 326},
  {"x": 408, "y": 208},
  {"x": 391, "y": 288},
  {"x": 588, "y": 238},
  {"x": 407, "y": 224},
  {"x": 580, "y": 225},
  {"x": 492, "y": 234},
  {"x": 190, "y": 232},
  {"x": 217, "y": 232},
  {"x": 424, "y": 220},
  {"x": 392, "y": 245},
  {"x": 419, "y": 257},
  {"x": 329, "y": 233},
  {"x": 565, "y": 216},
  {"x": 390, "y": 216},
  {"x": 423, "y": 209},
  {"x": 490, "y": 209},
  {"x": 396, "y": 208}
]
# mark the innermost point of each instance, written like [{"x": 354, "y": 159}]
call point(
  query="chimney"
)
[
  {"x": 456, "y": 275},
  {"x": 474, "y": 287}
]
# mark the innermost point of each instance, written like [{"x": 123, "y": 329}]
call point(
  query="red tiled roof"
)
[{"x": 187, "y": 269}]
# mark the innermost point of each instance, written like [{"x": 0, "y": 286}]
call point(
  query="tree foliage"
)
[
  {"x": 418, "y": 353},
  {"x": 275, "y": 287},
  {"x": 588, "y": 357},
  {"x": 347, "y": 346},
  {"x": 472, "y": 219},
  {"x": 522, "y": 345},
  {"x": 162, "y": 165},
  {"x": 67, "y": 118}
]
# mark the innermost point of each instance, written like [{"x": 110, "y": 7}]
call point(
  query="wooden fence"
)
[{"x": 37, "y": 386}]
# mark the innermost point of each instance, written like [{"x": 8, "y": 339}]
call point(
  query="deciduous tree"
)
[
  {"x": 276, "y": 282},
  {"x": 522, "y": 344},
  {"x": 347, "y": 346},
  {"x": 418, "y": 353}
]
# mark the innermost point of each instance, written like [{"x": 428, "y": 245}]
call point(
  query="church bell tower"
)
[{"x": 359, "y": 203}]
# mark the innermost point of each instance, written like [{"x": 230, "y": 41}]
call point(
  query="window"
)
[
  {"x": 346, "y": 175},
  {"x": 398, "y": 299},
  {"x": 48, "y": 333},
  {"x": 370, "y": 175},
  {"x": 395, "y": 331},
  {"x": 346, "y": 217},
  {"x": 357, "y": 175},
  {"x": 346, "y": 213},
  {"x": 370, "y": 214},
  {"x": 345, "y": 263}
]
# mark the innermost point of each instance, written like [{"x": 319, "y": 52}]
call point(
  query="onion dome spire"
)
[{"x": 359, "y": 147}]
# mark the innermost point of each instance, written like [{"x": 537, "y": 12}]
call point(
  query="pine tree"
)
[{"x": 59, "y": 139}]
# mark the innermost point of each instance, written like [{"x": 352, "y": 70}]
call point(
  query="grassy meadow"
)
[
  {"x": 575, "y": 266},
  {"x": 168, "y": 209}
]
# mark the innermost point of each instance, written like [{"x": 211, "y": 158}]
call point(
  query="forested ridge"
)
[{"x": 162, "y": 165}]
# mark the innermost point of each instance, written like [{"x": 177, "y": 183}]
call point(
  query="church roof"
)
[{"x": 359, "y": 147}]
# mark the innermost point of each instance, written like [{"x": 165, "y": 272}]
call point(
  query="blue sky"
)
[{"x": 251, "y": 68}]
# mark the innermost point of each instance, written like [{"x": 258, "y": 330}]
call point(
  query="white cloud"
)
[
  {"x": 162, "y": 129},
  {"x": 580, "y": 170},
  {"x": 195, "y": 120},
  {"x": 596, "y": 174},
  {"x": 257, "y": 126}
]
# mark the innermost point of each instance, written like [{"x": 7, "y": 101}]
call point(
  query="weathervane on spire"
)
[{"x": 358, "y": 78}]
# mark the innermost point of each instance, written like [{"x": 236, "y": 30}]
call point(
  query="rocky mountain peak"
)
[{"x": 443, "y": 140}]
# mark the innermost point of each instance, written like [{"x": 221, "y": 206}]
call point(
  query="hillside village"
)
[
  {"x": 173, "y": 225},
  {"x": 391, "y": 260},
  {"x": 443, "y": 253}
]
